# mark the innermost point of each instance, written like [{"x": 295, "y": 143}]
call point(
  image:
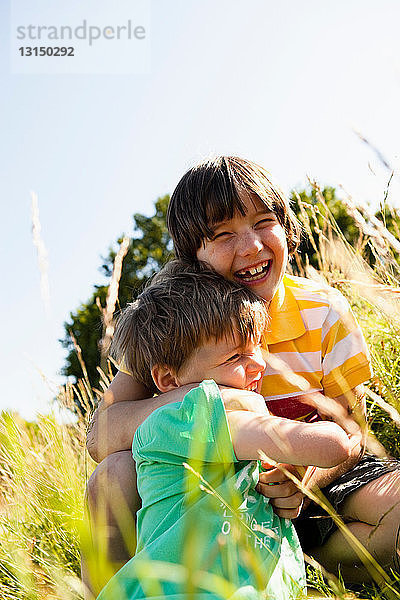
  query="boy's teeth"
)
[{"x": 254, "y": 271}]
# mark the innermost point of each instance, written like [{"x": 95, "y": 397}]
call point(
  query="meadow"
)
[{"x": 44, "y": 466}]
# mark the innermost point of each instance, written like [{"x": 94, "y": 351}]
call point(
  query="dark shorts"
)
[{"x": 313, "y": 526}]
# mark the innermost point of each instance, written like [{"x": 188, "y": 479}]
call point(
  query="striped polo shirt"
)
[{"x": 314, "y": 345}]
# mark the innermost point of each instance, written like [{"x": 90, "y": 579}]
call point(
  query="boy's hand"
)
[
  {"x": 123, "y": 388},
  {"x": 336, "y": 409},
  {"x": 235, "y": 399},
  {"x": 286, "y": 498}
]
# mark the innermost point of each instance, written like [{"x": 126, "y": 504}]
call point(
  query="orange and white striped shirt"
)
[{"x": 314, "y": 344}]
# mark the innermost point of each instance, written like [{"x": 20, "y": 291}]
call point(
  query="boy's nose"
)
[
  {"x": 256, "y": 363},
  {"x": 249, "y": 243}
]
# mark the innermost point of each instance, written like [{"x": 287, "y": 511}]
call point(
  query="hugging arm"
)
[
  {"x": 286, "y": 498},
  {"x": 256, "y": 436},
  {"x": 116, "y": 419},
  {"x": 352, "y": 403}
]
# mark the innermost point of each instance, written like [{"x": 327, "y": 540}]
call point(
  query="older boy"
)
[{"x": 191, "y": 326}]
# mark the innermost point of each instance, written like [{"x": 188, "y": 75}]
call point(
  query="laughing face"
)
[
  {"x": 249, "y": 249},
  {"x": 226, "y": 361}
]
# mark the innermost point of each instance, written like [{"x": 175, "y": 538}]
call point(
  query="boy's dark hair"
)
[
  {"x": 209, "y": 193},
  {"x": 183, "y": 307}
]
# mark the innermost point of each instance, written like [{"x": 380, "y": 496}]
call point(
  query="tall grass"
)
[
  {"x": 43, "y": 470},
  {"x": 44, "y": 466}
]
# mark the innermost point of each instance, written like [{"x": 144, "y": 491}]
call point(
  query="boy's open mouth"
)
[
  {"x": 254, "y": 273},
  {"x": 253, "y": 386}
]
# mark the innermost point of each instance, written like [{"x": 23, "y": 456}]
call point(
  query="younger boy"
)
[{"x": 191, "y": 326}]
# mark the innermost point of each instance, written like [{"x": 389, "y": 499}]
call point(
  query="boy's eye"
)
[
  {"x": 220, "y": 235},
  {"x": 266, "y": 220},
  {"x": 232, "y": 358}
]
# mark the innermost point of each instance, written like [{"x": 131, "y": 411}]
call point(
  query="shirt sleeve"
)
[
  {"x": 194, "y": 429},
  {"x": 345, "y": 356}
]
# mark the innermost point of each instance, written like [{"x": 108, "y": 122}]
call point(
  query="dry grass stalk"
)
[
  {"x": 112, "y": 296},
  {"x": 388, "y": 408},
  {"x": 42, "y": 254}
]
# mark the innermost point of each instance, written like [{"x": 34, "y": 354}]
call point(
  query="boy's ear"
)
[{"x": 164, "y": 378}]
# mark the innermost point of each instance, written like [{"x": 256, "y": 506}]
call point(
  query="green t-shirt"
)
[{"x": 218, "y": 531}]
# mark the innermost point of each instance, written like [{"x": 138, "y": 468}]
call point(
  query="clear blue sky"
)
[{"x": 282, "y": 83}]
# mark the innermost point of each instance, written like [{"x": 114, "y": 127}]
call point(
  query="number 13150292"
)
[{"x": 46, "y": 51}]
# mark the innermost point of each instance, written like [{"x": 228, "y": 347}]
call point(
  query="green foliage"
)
[
  {"x": 324, "y": 216},
  {"x": 42, "y": 467},
  {"x": 86, "y": 326},
  {"x": 383, "y": 338},
  {"x": 384, "y": 429},
  {"x": 314, "y": 217},
  {"x": 390, "y": 217},
  {"x": 149, "y": 249}
]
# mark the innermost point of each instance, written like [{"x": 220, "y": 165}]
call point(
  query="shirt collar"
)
[{"x": 286, "y": 322}]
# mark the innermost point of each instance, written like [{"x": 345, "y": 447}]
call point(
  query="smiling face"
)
[
  {"x": 227, "y": 362},
  {"x": 250, "y": 249}
]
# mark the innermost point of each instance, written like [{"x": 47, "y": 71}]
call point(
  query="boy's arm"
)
[
  {"x": 354, "y": 403},
  {"x": 123, "y": 388},
  {"x": 116, "y": 419},
  {"x": 323, "y": 444},
  {"x": 286, "y": 498}
]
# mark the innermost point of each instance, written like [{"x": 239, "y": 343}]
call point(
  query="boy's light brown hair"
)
[
  {"x": 209, "y": 193},
  {"x": 183, "y": 307}
]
